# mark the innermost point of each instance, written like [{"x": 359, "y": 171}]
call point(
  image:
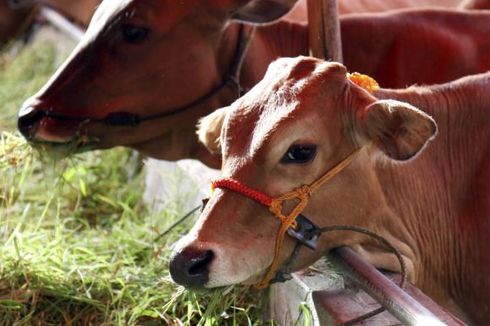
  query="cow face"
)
[
  {"x": 296, "y": 124},
  {"x": 144, "y": 57}
]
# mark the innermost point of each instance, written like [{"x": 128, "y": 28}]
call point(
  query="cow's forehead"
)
[{"x": 291, "y": 89}]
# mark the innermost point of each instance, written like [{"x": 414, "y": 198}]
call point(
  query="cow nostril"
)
[
  {"x": 190, "y": 267},
  {"x": 28, "y": 119},
  {"x": 200, "y": 265}
]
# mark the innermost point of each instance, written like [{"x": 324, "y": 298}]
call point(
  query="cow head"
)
[
  {"x": 142, "y": 57},
  {"x": 302, "y": 119}
]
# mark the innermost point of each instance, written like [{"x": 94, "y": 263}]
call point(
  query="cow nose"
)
[
  {"x": 190, "y": 267},
  {"x": 27, "y": 121}
]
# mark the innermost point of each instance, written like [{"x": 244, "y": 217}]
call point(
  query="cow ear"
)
[
  {"x": 263, "y": 11},
  {"x": 400, "y": 130},
  {"x": 209, "y": 130}
]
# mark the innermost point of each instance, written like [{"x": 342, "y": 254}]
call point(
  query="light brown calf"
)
[{"x": 431, "y": 200}]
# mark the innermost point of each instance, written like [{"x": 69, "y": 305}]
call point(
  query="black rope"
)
[
  {"x": 178, "y": 222},
  {"x": 284, "y": 273}
]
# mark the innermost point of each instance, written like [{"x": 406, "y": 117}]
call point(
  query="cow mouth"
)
[
  {"x": 77, "y": 144},
  {"x": 52, "y": 135}
]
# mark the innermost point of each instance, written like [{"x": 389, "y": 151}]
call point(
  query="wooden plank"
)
[
  {"x": 324, "y": 30},
  {"x": 342, "y": 306}
]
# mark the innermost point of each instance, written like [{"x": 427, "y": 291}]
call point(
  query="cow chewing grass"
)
[{"x": 77, "y": 244}]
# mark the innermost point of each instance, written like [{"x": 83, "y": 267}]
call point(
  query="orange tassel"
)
[{"x": 364, "y": 81}]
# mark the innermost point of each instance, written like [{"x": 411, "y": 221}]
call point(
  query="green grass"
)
[
  {"x": 78, "y": 244},
  {"x": 21, "y": 76}
]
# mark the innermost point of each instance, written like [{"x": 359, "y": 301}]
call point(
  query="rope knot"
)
[
  {"x": 303, "y": 191},
  {"x": 275, "y": 208}
]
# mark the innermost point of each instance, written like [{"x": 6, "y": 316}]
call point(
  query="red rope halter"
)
[
  {"x": 275, "y": 205},
  {"x": 236, "y": 186}
]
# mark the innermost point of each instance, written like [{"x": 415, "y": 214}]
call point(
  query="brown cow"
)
[
  {"x": 417, "y": 46},
  {"x": 148, "y": 62},
  {"x": 303, "y": 119}
]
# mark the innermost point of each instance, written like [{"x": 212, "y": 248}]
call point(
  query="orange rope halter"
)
[{"x": 275, "y": 205}]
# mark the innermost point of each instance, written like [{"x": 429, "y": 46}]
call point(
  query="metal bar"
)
[
  {"x": 60, "y": 22},
  {"x": 324, "y": 30},
  {"x": 378, "y": 286}
]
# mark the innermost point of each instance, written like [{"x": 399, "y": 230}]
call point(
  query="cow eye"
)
[
  {"x": 134, "y": 34},
  {"x": 298, "y": 154}
]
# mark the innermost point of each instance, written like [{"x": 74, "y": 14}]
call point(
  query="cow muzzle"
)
[
  {"x": 190, "y": 267},
  {"x": 39, "y": 125},
  {"x": 28, "y": 121}
]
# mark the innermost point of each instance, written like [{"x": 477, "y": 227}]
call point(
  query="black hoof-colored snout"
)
[
  {"x": 28, "y": 120},
  {"x": 190, "y": 267}
]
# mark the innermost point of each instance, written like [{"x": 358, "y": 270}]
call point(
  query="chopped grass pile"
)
[{"x": 78, "y": 244}]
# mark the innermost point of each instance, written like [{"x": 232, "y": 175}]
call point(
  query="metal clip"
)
[{"x": 305, "y": 232}]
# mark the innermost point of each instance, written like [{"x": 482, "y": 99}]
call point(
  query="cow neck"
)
[
  {"x": 128, "y": 119},
  {"x": 438, "y": 185}
]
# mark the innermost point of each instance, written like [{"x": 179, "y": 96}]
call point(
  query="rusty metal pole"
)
[
  {"x": 379, "y": 287},
  {"x": 324, "y": 30}
]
